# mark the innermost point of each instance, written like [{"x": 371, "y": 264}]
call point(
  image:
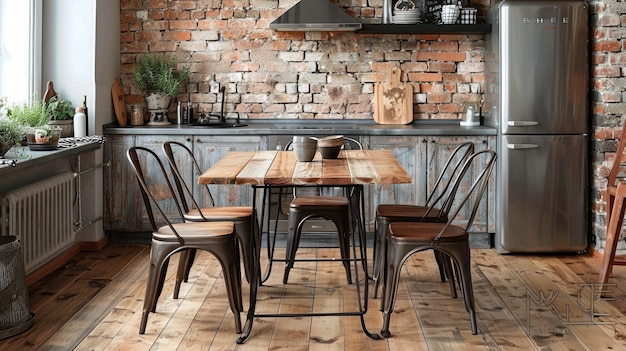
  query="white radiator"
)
[{"x": 41, "y": 215}]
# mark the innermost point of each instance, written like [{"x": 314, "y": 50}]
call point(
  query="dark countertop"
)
[{"x": 305, "y": 127}]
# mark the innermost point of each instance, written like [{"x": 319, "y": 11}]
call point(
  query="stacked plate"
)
[{"x": 409, "y": 16}]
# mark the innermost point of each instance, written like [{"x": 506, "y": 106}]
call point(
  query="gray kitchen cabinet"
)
[
  {"x": 118, "y": 178},
  {"x": 124, "y": 208},
  {"x": 423, "y": 157},
  {"x": 410, "y": 152}
]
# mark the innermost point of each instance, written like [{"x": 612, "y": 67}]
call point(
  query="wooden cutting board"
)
[
  {"x": 119, "y": 104},
  {"x": 393, "y": 100}
]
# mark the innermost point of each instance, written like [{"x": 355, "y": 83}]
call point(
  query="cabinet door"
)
[
  {"x": 410, "y": 152},
  {"x": 120, "y": 185},
  {"x": 124, "y": 207},
  {"x": 439, "y": 150},
  {"x": 208, "y": 150}
]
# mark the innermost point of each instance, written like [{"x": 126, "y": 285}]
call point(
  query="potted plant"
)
[
  {"x": 30, "y": 117},
  {"x": 61, "y": 113},
  {"x": 47, "y": 134},
  {"x": 10, "y": 134},
  {"x": 160, "y": 79}
]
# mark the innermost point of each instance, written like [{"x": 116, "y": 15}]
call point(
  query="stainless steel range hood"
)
[{"x": 315, "y": 15}]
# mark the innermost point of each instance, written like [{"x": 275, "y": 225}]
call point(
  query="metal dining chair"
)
[
  {"x": 452, "y": 241},
  {"x": 435, "y": 209},
  {"x": 172, "y": 234},
  {"x": 340, "y": 208},
  {"x": 194, "y": 212}
]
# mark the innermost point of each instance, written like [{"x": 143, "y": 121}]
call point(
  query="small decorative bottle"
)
[{"x": 80, "y": 122}]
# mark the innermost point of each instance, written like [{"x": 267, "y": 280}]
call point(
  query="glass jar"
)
[{"x": 136, "y": 118}]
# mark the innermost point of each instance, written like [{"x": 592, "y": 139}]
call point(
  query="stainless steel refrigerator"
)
[{"x": 536, "y": 96}]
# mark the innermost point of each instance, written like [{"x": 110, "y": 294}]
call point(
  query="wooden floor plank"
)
[
  {"x": 296, "y": 297},
  {"x": 327, "y": 333},
  {"x": 88, "y": 317},
  {"x": 95, "y": 303},
  {"x": 511, "y": 292}
]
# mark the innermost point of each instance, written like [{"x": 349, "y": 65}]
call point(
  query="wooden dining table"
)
[{"x": 266, "y": 170}]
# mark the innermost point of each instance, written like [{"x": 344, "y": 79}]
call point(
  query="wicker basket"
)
[{"x": 14, "y": 311}]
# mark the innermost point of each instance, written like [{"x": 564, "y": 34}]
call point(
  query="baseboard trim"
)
[
  {"x": 52, "y": 265},
  {"x": 94, "y": 245}
]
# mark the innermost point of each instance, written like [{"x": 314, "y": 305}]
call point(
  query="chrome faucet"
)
[{"x": 222, "y": 116}]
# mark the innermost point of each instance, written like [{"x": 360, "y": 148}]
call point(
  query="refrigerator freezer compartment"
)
[
  {"x": 542, "y": 193},
  {"x": 538, "y": 71}
]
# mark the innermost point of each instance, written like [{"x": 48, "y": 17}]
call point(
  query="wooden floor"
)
[{"x": 523, "y": 303}]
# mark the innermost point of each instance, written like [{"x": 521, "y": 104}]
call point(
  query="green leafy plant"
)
[
  {"x": 59, "y": 110},
  {"x": 10, "y": 132},
  {"x": 158, "y": 73},
  {"x": 29, "y": 115}
]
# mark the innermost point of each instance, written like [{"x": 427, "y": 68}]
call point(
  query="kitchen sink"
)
[{"x": 220, "y": 125}]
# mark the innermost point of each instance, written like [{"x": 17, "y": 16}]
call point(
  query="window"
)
[{"x": 20, "y": 49}]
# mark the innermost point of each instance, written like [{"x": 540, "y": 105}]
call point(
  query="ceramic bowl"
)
[
  {"x": 329, "y": 152},
  {"x": 333, "y": 140}
]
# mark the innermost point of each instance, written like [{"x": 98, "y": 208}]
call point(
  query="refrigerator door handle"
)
[
  {"x": 522, "y": 123},
  {"x": 522, "y": 146}
]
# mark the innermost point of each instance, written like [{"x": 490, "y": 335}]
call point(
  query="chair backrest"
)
[
  {"x": 441, "y": 196},
  {"x": 619, "y": 157},
  {"x": 474, "y": 176},
  {"x": 155, "y": 186},
  {"x": 185, "y": 190}
]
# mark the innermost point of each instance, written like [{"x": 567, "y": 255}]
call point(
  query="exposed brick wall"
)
[
  {"x": 608, "y": 90},
  {"x": 272, "y": 74}
]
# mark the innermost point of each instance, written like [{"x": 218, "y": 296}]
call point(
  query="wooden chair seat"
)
[
  {"x": 425, "y": 232},
  {"x": 410, "y": 213},
  {"x": 219, "y": 212},
  {"x": 193, "y": 232}
]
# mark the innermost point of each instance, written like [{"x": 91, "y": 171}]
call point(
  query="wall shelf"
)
[{"x": 425, "y": 29}]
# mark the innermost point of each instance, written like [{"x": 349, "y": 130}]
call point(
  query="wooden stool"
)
[{"x": 615, "y": 202}]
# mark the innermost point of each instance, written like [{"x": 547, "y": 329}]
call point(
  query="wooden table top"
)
[{"x": 280, "y": 168}]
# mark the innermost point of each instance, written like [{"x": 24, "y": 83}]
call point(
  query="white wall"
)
[{"x": 81, "y": 56}]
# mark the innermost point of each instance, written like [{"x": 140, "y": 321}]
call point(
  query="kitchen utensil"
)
[
  {"x": 119, "y": 104},
  {"x": 470, "y": 118},
  {"x": 393, "y": 100},
  {"x": 50, "y": 93}
]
